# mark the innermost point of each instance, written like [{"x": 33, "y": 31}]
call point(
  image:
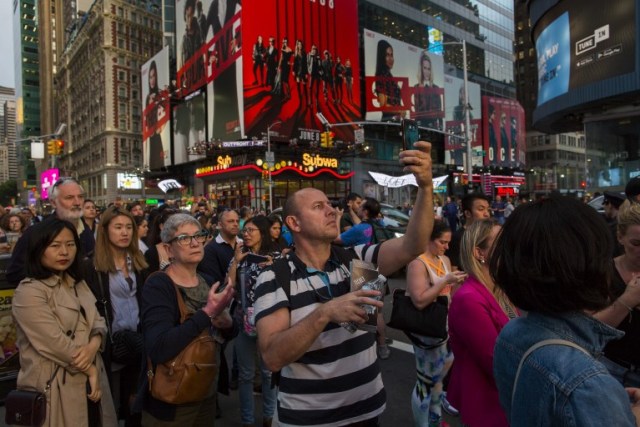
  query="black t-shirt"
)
[{"x": 628, "y": 347}]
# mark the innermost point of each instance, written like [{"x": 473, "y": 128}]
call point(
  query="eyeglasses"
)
[
  {"x": 185, "y": 239},
  {"x": 249, "y": 230}
]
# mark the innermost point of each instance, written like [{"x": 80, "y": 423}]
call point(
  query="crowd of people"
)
[{"x": 542, "y": 320}]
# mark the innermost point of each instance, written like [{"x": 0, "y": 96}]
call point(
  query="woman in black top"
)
[{"x": 622, "y": 357}]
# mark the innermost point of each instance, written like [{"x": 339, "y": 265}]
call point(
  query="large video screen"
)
[
  {"x": 208, "y": 48},
  {"x": 504, "y": 134},
  {"x": 300, "y": 58},
  {"x": 189, "y": 128},
  {"x": 454, "y": 96},
  {"x": 402, "y": 80},
  {"x": 156, "y": 134},
  {"x": 578, "y": 43}
]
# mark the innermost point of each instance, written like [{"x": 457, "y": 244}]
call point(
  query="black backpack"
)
[{"x": 380, "y": 232}]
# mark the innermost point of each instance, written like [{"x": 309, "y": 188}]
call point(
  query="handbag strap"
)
[
  {"x": 534, "y": 347},
  {"x": 104, "y": 305}
]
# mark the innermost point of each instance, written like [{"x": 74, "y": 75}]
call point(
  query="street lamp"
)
[{"x": 270, "y": 158}]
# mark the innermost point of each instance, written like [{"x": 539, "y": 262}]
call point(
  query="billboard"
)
[
  {"x": 47, "y": 179},
  {"x": 579, "y": 43},
  {"x": 503, "y": 134},
  {"x": 156, "y": 134},
  {"x": 301, "y": 58},
  {"x": 208, "y": 49},
  {"x": 403, "y": 80},
  {"x": 189, "y": 127},
  {"x": 454, "y": 96}
]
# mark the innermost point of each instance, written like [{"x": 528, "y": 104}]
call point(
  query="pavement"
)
[{"x": 398, "y": 375}]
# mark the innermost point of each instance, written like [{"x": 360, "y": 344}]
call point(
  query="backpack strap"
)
[{"x": 534, "y": 347}]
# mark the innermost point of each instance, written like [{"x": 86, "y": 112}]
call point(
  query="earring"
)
[{"x": 481, "y": 260}]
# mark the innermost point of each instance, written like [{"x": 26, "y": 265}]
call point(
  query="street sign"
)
[{"x": 270, "y": 157}]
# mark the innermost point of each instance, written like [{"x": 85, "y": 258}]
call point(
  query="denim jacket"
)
[{"x": 559, "y": 385}]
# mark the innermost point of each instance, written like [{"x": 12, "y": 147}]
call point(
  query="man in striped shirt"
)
[{"x": 329, "y": 376}]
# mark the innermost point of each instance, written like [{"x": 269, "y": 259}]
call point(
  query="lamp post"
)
[
  {"x": 270, "y": 161},
  {"x": 467, "y": 117}
]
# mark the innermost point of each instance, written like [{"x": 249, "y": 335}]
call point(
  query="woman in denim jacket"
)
[{"x": 552, "y": 260}]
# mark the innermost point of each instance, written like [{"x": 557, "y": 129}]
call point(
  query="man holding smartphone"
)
[{"x": 300, "y": 326}]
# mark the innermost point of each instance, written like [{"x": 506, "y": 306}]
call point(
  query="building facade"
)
[{"x": 98, "y": 93}]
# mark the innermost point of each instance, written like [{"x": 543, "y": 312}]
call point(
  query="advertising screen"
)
[
  {"x": 155, "y": 118},
  {"x": 189, "y": 128},
  {"x": 300, "y": 58},
  {"x": 47, "y": 179},
  {"x": 402, "y": 80},
  {"x": 455, "y": 120},
  {"x": 579, "y": 43},
  {"x": 208, "y": 51},
  {"x": 503, "y": 135}
]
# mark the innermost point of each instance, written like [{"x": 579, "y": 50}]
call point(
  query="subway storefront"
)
[{"x": 243, "y": 179}]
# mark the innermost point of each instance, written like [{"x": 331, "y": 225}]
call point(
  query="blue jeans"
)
[
  {"x": 627, "y": 377},
  {"x": 247, "y": 351}
]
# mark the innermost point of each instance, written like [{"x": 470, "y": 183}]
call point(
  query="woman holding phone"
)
[{"x": 247, "y": 263}]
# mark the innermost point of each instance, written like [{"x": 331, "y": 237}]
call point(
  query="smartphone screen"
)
[{"x": 410, "y": 133}]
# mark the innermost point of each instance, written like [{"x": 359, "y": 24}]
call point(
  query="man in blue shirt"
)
[{"x": 362, "y": 233}]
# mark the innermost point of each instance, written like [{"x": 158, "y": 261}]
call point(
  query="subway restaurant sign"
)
[{"x": 317, "y": 161}]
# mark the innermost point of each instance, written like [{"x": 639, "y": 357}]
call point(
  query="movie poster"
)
[
  {"x": 300, "y": 59},
  {"x": 454, "y": 95},
  {"x": 403, "y": 81},
  {"x": 156, "y": 134},
  {"x": 189, "y": 128},
  {"x": 504, "y": 135},
  {"x": 208, "y": 53}
]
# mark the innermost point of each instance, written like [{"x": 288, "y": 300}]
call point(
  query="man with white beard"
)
[{"x": 67, "y": 197}]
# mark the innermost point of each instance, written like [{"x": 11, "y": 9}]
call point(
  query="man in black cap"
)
[
  {"x": 632, "y": 190},
  {"x": 611, "y": 204}
]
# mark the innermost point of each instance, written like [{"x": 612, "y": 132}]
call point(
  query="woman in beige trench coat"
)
[{"x": 58, "y": 325}]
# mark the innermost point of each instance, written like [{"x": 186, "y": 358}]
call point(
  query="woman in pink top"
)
[{"x": 477, "y": 314}]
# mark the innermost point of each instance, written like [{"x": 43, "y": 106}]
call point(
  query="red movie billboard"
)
[
  {"x": 300, "y": 58},
  {"x": 504, "y": 136},
  {"x": 155, "y": 117}
]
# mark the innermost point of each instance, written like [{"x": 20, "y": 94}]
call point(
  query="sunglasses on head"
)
[{"x": 64, "y": 180}]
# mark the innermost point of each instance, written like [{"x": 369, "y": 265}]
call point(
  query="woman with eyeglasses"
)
[
  {"x": 164, "y": 336},
  {"x": 116, "y": 275},
  {"x": 621, "y": 357},
  {"x": 59, "y": 331},
  {"x": 250, "y": 257}
]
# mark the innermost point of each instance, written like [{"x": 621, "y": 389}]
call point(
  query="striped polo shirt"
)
[{"x": 338, "y": 380}]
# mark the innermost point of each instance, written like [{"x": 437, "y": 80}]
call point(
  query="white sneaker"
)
[{"x": 447, "y": 407}]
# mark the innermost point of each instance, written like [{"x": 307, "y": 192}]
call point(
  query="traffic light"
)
[
  {"x": 324, "y": 139},
  {"x": 51, "y": 147},
  {"x": 330, "y": 136},
  {"x": 59, "y": 146}
]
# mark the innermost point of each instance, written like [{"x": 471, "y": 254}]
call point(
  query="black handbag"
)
[
  {"x": 25, "y": 408},
  {"x": 28, "y": 407},
  {"x": 126, "y": 345},
  {"x": 431, "y": 321}
]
